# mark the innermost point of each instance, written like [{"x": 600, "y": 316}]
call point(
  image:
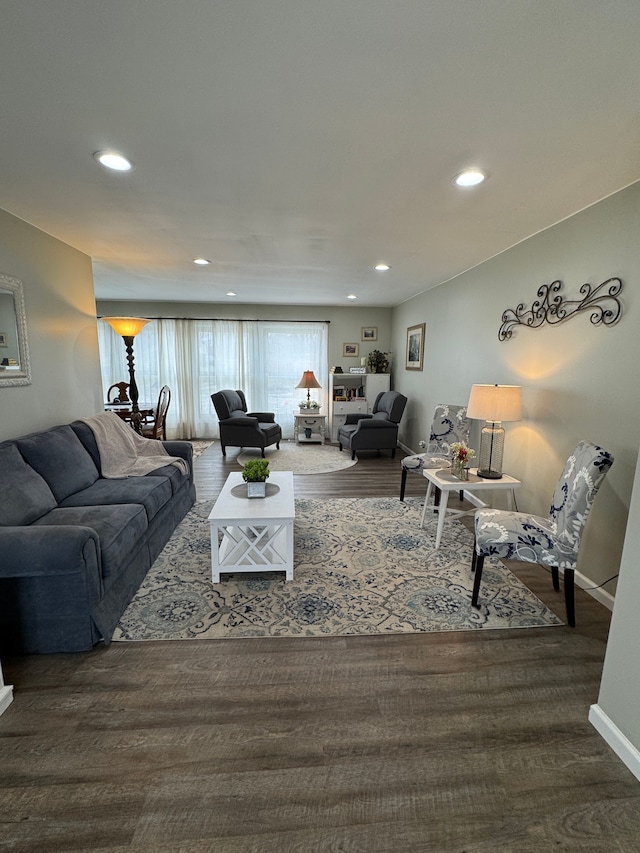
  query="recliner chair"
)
[
  {"x": 239, "y": 428},
  {"x": 377, "y": 431}
]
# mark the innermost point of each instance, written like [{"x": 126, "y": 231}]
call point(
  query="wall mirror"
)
[{"x": 15, "y": 368}]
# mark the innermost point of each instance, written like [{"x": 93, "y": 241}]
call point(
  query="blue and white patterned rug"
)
[{"x": 362, "y": 566}]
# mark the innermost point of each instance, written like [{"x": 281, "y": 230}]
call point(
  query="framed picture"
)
[
  {"x": 369, "y": 333},
  {"x": 351, "y": 350},
  {"x": 3, "y": 339},
  {"x": 415, "y": 347}
]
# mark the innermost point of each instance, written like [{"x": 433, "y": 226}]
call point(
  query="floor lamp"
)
[
  {"x": 308, "y": 381},
  {"x": 128, "y": 328},
  {"x": 493, "y": 404}
]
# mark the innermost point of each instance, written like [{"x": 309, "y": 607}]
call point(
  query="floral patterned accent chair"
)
[
  {"x": 552, "y": 541},
  {"x": 450, "y": 423}
]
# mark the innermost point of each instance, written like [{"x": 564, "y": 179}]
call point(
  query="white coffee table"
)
[
  {"x": 253, "y": 534},
  {"x": 446, "y": 482}
]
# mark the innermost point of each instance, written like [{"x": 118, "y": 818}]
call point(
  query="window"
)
[{"x": 198, "y": 357}]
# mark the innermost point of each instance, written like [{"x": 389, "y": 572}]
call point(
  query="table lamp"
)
[
  {"x": 128, "y": 328},
  {"x": 308, "y": 381},
  {"x": 493, "y": 404}
]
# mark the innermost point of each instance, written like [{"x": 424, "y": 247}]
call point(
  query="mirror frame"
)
[{"x": 23, "y": 375}]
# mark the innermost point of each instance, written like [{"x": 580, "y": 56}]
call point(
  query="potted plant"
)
[
  {"x": 255, "y": 473},
  {"x": 378, "y": 361},
  {"x": 309, "y": 405}
]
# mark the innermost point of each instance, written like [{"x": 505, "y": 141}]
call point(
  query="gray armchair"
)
[
  {"x": 377, "y": 431},
  {"x": 239, "y": 428}
]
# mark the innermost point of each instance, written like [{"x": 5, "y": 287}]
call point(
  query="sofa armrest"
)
[
  {"x": 32, "y": 551},
  {"x": 375, "y": 423},
  {"x": 182, "y": 449},
  {"x": 354, "y": 418},
  {"x": 263, "y": 417}
]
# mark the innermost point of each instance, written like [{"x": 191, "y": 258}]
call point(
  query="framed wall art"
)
[
  {"x": 351, "y": 350},
  {"x": 415, "y": 347},
  {"x": 369, "y": 333}
]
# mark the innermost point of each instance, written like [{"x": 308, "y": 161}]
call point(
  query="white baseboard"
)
[
  {"x": 618, "y": 742},
  {"x": 600, "y": 595},
  {"x": 6, "y": 697}
]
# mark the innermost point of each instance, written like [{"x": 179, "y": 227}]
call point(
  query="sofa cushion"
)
[
  {"x": 152, "y": 492},
  {"x": 173, "y": 474},
  {"x": 24, "y": 495},
  {"x": 58, "y": 455},
  {"x": 119, "y": 528}
]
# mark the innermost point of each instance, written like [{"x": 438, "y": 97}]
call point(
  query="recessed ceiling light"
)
[
  {"x": 352, "y": 296},
  {"x": 382, "y": 267},
  {"x": 469, "y": 178},
  {"x": 115, "y": 161},
  {"x": 202, "y": 262},
  {"x": 231, "y": 293}
]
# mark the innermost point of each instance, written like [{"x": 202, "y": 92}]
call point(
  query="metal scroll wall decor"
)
[{"x": 551, "y": 307}]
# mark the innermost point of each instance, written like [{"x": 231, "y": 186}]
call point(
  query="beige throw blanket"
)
[{"x": 124, "y": 453}]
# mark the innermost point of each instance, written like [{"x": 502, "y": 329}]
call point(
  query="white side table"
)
[
  {"x": 312, "y": 422},
  {"x": 446, "y": 482}
]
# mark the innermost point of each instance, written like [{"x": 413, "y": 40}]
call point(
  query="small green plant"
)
[
  {"x": 255, "y": 471},
  {"x": 309, "y": 404},
  {"x": 378, "y": 361}
]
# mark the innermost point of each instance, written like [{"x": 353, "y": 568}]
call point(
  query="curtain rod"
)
[{"x": 226, "y": 319}]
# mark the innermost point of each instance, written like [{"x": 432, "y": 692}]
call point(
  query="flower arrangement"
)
[
  {"x": 309, "y": 404},
  {"x": 378, "y": 361},
  {"x": 460, "y": 453}
]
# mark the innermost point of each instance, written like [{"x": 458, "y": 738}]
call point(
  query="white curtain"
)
[{"x": 195, "y": 358}]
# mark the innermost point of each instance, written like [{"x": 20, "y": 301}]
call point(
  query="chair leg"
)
[
  {"x": 224, "y": 450},
  {"x": 262, "y": 451},
  {"x": 474, "y": 557},
  {"x": 353, "y": 454},
  {"x": 403, "y": 483},
  {"x": 477, "y": 579},
  {"x": 555, "y": 577},
  {"x": 393, "y": 453},
  {"x": 569, "y": 596},
  {"x": 340, "y": 446}
]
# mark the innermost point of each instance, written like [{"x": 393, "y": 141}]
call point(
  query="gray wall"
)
[
  {"x": 579, "y": 381},
  {"x": 61, "y": 329}
]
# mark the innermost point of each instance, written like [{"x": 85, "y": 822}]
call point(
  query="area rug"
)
[
  {"x": 200, "y": 445},
  {"x": 361, "y": 566},
  {"x": 301, "y": 458}
]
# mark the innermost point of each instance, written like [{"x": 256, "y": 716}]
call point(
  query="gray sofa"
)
[{"x": 74, "y": 546}]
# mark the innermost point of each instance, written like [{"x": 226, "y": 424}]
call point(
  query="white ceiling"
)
[{"x": 295, "y": 143}]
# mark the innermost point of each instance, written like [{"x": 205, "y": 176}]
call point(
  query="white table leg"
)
[
  {"x": 442, "y": 514},
  {"x": 426, "y": 501}
]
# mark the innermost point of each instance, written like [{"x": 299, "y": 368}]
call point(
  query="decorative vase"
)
[
  {"x": 256, "y": 489},
  {"x": 459, "y": 470},
  {"x": 307, "y": 432}
]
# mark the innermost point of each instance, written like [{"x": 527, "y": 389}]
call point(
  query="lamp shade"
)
[
  {"x": 128, "y": 327},
  {"x": 495, "y": 403},
  {"x": 308, "y": 380}
]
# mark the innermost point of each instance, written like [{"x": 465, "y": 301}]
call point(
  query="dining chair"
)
[
  {"x": 155, "y": 426},
  {"x": 450, "y": 423},
  {"x": 122, "y": 395},
  {"x": 552, "y": 541}
]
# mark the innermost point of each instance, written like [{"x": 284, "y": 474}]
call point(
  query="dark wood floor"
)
[{"x": 475, "y": 742}]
